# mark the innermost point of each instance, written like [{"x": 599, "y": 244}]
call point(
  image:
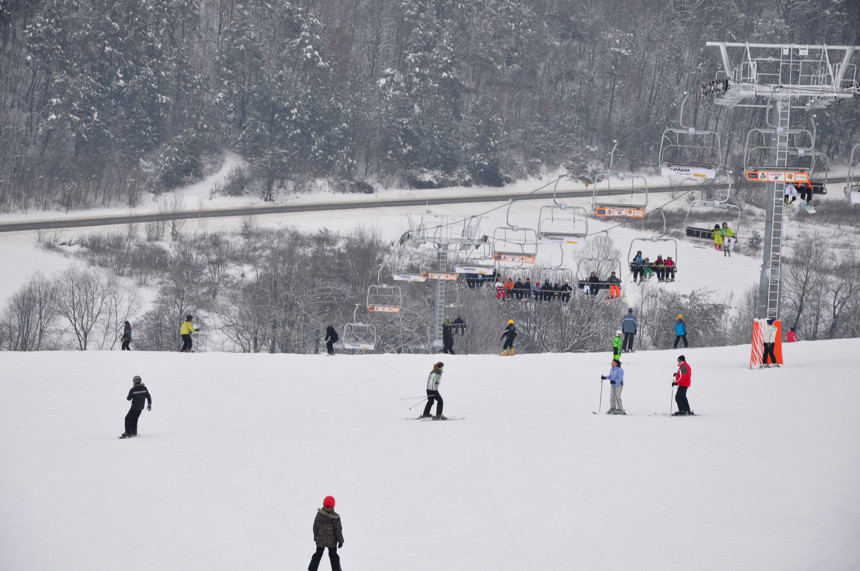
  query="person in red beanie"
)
[{"x": 328, "y": 533}]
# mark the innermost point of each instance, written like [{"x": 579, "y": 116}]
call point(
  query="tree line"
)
[
  {"x": 104, "y": 101},
  {"x": 266, "y": 290}
]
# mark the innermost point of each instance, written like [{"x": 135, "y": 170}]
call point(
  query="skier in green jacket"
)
[{"x": 616, "y": 344}]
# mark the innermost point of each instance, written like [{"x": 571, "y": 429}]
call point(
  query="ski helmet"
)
[
  {"x": 188, "y": 317},
  {"x": 328, "y": 502},
  {"x": 680, "y": 317},
  {"x": 137, "y": 380},
  {"x": 618, "y": 333},
  {"x": 681, "y": 358},
  {"x": 510, "y": 321}
]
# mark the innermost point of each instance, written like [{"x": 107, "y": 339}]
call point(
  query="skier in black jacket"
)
[
  {"x": 447, "y": 338},
  {"x": 509, "y": 335},
  {"x": 137, "y": 395},
  {"x": 126, "y": 337},
  {"x": 331, "y": 338}
]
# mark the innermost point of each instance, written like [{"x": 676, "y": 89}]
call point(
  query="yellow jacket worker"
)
[{"x": 185, "y": 333}]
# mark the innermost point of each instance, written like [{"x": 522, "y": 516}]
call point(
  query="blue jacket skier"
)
[
  {"x": 629, "y": 326},
  {"x": 616, "y": 382},
  {"x": 681, "y": 332}
]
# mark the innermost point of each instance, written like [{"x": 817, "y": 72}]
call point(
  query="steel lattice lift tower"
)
[{"x": 780, "y": 78}]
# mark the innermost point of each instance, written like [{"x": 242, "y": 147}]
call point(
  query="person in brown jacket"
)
[{"x": 327, "y": 533}]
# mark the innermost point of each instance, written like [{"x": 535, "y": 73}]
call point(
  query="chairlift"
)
[
  {"x": 852, "y": 186},
  {"x": 619, "y": 202},
  {"x": 600, "y": 266},
  {"x": 560, "y": 223},
  {"x": 689, "y": 152},
  {"x": 653, "y": 247},
  {"x": 384, "y": 298},
  {"x": 556, "y": 273},
  {"x": 513, "y": 244},
  {"x": 763, "y": 164},
  {"x": 357, "y": 335}
]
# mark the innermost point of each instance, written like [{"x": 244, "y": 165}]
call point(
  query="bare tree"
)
[
  {"x": 82, "y": 300},
  {"x": 30, "y": 314}
]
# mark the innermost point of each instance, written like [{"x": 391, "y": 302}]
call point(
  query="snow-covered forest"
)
[{"x": 103, "y": 101}]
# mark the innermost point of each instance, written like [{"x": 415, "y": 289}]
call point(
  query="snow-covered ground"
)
[{"x": 239, "y": 451}]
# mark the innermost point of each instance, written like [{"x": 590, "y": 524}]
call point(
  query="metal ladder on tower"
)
[
  {"x": 775, "y": 274},
  {"x": 439, "y": 309}
]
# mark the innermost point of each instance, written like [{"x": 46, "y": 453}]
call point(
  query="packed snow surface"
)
[{"x": 239, "y": 451}]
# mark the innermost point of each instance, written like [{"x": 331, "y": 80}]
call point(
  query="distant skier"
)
[
  {"x": 616, "y": 382},
  {"x": 447, "y": 338},
  {"x": 328, "y": 533},
  {"x": 185, "y": 333},
  {"x": 791, "y": 336},
  {"x": 790, "y": 194},
  {"x": 629, "y": 326},
  {"x": 616, "y": 345},
  {"x": 728, "y": 239},
  {"x": 680, "y": 331},
  {"x": 126, "y": 337},
  {"x": 682, "y": 381},
  {"x": 769, "y": 342},
  {"x": 509, "y": 335},
  {"x": 137, "y": 395},
  {"x": 804, "y": 189},
  {"x": 331, "y": 338},
  {"x": 433, "y": 380},
  {"x": 459, "y": 325}
]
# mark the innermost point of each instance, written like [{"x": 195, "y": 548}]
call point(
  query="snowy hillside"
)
[{"x": 239, "y": 451}]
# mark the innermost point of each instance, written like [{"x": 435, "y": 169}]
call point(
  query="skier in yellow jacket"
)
[{"x": 185, "y": 333}]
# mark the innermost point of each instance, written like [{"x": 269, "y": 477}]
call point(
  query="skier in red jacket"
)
[{"x": 682, "y": 381}]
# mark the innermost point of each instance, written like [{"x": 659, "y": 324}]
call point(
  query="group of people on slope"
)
[
  {"x": 681, "y": 379},
  {"x": 724, "y": 239},
  {"x": 185, "y": 331},
  {"x": 644, "y": 269}
]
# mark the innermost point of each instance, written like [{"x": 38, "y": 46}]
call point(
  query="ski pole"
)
[
  {"x": 600, "y": 403},
  {"x": 410, "y": 398},
  {"x": 671, "y": 396},
  {"x": 416, "y": 404}
]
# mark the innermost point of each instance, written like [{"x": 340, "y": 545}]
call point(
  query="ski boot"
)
[{"x": 124, "y": 435}]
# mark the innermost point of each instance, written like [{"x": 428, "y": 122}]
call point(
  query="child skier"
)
[
  {"x": 509, "y": 335},
  {"x": 617, "y": 342},
  {"x": 680, "y": 331},
  {"x": 328, "y": 533}
]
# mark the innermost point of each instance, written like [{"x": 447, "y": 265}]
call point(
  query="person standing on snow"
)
[
  {"x": 769, "y": 342},
  {"x": 616, "y": 382},
  {"x": 509, "y": 335},
  {"x": 433, "y": 380},
  {"x": 791, "y": 336},
  {"x": 331, "y": 338},
  {"x": 682, "y": 381},
  {"x": 126, "y": 337},
  {"x": 629, "y": 326},
  {"x": 137, "y": 395},
  {"x": 185, "y": 332},
  {"x": 680, "y": 331},
  {"x": 616, "y": 345},
  {"x": 447, "y": 338},
  {"x": 328, "y": 534}
]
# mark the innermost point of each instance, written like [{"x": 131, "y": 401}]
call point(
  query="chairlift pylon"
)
[{"x": 852, "y": 186}]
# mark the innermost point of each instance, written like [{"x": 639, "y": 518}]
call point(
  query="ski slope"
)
[{"x": 239, "y": 451}]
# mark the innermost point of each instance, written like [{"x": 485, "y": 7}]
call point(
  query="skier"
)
[
  {"x": 629, "y": 326},
  {"x": 565, "y": 291},
  {"x": 433, "y": 380},
  {"x": 616, "y": 345},
  {"x": 728, "y": 239},
  {"x": 137, "y": 395},
  {"x": 670, "y": 266},
  {"x": 636, "y": 266},
  {"x": 680, "y": 331},
  {"x": 790, "y": 193},
  {"x": 509, "y": 335},
  {"x": 769, "y": 342},
  {"x": 614, "y": 285},
  {"x": 718, "y": 237},
  {"x": 126, "y": 336},
  {"x": 791, "y": 336},
  {"x": 616, "y": 382},
  {"x": 185, "y": 333},
  {"x": 682, "y": 381},
  {"x": 660, "y": 268},
  {"x": 447, "y": 338},
  {"x": 331, "y": 338},
  {"x": 328, "y": 533},
  {"x": 805, "y": 191},
  {"x": 593, "y": 284},
  {"x": 460, "y": 326}
]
